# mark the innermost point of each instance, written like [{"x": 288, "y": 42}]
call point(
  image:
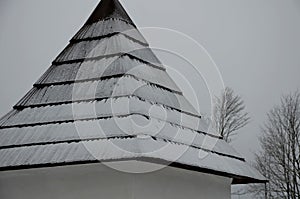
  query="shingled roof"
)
[{"x": 104, "y": 84}]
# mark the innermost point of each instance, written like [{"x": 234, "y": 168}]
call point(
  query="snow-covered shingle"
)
[{"x": 107, "y": 67}]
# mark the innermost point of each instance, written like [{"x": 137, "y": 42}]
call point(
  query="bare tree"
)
[
  {"x": 229, "y": 114},
  {"x": 279, "y": 159}
]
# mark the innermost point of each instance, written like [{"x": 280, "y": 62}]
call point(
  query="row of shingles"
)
[
  {"x": 110, "y": 27},
  {"x": 64, "y": 76},
  {"x": 54, "y": 93},
  {"x": 42, "y": 93},
  {"x": 104, "y": 68},
  {"x": 30, "y": 94},
  {"x": 114, "y": 107},
  {"x": 109, "y": 128},
  {"x": 58, "y": 132},
  {"x": 14, "y": 114},
  {"x": 101, "y": 28},
  {"x": 94, "y": 32},
  {"x": 107, "y": 29},
  {"x": 106, "y": 150},
  {"x": 98, "y": 90},
  {"x": 66, "y": 89},
  {"x": 62, "y": 150},
  {"x": 219, "y": 150},
  {"x": 11, "y": 157}
]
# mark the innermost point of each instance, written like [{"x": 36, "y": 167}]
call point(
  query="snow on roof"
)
[{"x": 108, "y": 77}]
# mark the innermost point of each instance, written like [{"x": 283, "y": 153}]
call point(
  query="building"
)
[{"x": 107, "y": 101}]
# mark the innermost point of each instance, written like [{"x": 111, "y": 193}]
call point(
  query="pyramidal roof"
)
[{"x": 107, "y": 97}]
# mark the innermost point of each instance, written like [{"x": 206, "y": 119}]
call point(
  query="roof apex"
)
[{"x": 109, "y": 9}]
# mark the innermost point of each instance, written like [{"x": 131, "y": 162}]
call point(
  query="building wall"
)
[{"x": 98, "y": 181}]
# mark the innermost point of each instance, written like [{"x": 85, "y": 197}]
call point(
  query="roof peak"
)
[{"x": 109, "y": 9}]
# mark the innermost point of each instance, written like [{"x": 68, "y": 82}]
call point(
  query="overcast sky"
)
[{"x": 255, "y": 44}]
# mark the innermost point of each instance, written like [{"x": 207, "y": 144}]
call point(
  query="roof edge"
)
[{"x": 237, "y": 179}]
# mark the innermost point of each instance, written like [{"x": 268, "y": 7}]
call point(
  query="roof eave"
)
[{"x": 237, "y": 179}]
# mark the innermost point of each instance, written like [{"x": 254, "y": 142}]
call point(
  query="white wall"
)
[{"x": 101, "y": 182}]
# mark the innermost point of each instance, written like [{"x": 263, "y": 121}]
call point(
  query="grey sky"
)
[{"x": 255, "y": 44}]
